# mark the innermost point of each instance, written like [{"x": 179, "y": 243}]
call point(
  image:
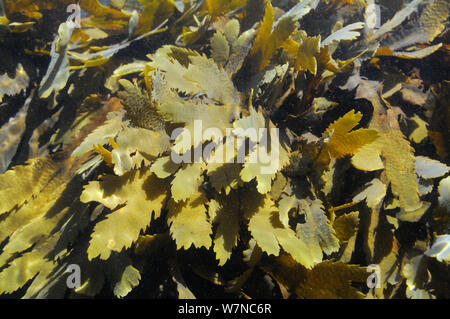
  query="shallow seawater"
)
[{"x": 244, "y": 149}]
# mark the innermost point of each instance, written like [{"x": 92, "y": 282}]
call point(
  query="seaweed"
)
[{"x": 167, "y": 146}]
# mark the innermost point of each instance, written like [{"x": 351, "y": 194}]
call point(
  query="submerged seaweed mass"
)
[{"x": 100, "y": 198}]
